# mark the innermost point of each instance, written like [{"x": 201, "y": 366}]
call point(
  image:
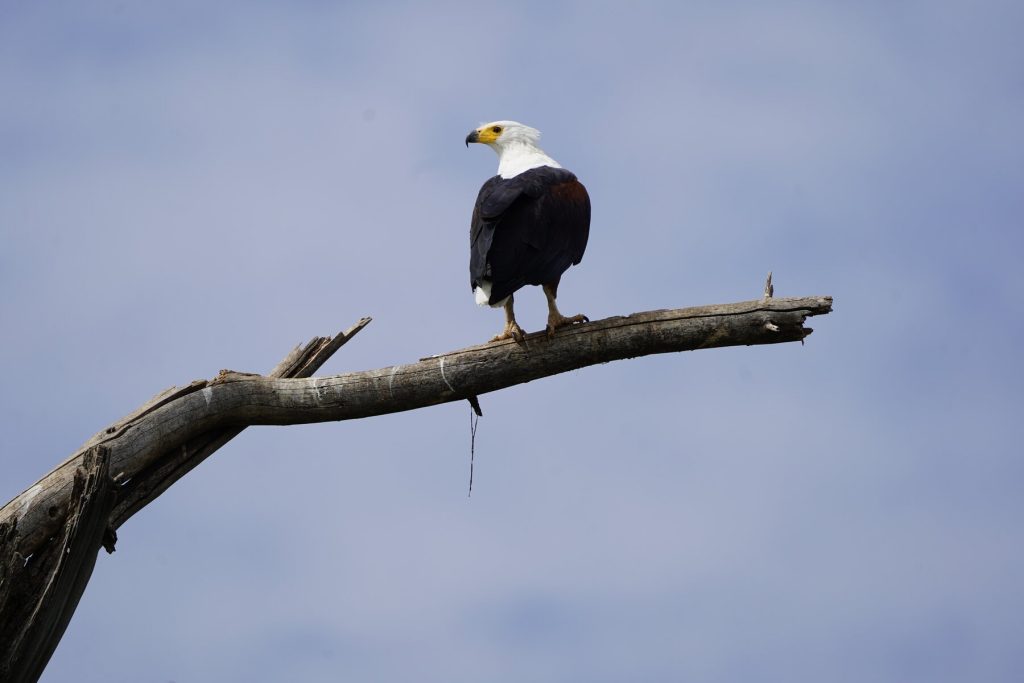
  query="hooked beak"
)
[{"x": 472, "y": 137}]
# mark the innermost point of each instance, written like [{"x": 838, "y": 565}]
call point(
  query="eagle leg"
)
[
  {"x": 512, "y": 329},
  {"x": 556, "y": 319}
]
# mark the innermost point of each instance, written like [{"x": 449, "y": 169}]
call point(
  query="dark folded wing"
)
[{"x": 527, "y": 230}]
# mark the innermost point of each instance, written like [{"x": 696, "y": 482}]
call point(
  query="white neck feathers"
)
[{"x": 517, "y": 157}]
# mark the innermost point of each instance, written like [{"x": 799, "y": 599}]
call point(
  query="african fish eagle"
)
[{"x": 530, "y": 223}]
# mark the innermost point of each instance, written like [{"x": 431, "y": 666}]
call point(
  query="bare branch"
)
[
  {"x": 161, "y": 441},
  {"x": 40, "y": 588},
  {"x": 147, "y": 484}
]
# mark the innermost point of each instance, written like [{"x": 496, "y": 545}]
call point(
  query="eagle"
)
[{"x": 530, "y": 223}]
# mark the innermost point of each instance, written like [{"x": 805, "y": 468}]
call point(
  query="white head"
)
[{"x": 515, "y": 144}]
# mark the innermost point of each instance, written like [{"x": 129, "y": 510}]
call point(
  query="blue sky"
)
[{"x": 202, "y": 186}]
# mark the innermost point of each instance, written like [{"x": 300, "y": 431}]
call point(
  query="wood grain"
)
[{"x": 158, "y": 443}]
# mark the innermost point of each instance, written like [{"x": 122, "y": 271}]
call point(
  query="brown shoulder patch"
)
[{"x": 570, "y": 191}]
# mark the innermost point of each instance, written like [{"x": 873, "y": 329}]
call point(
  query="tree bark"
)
[
  {"x": 40, "y": 586},
  {"x": 50, "y": 534}
]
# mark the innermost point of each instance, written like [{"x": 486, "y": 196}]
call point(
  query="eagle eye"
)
[{"x": 496, "y": 129}]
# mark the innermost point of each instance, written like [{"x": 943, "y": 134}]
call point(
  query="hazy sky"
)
[{"x": 186, "y": 187}]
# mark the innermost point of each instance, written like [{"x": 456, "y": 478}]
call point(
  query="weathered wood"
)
[
  {"x": 40, "y": 587},
  {"x": 164, "y": 439},
  {"x": 34, "y": 620},
  {"x": 236, "y": 400},
  {"x": 147, "y": 484}
]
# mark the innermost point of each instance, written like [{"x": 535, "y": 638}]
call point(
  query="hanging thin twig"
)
[{"x": 474, "y": 420}]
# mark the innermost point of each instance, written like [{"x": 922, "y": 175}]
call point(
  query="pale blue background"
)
[{"x": 186, "y": 187}]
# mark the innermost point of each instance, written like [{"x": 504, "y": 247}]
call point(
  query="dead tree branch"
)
[
  {"x": 50, "y": 534},
  {"x": 41, "y": 584}
]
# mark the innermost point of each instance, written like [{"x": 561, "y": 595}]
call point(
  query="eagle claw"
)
[
  {"x": 511, "y": 331},
  {"x": 558, "y": 321}
]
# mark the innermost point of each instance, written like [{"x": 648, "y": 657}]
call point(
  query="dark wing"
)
[
  {"x": 496, "y": 192},
  {"x": 528, "y": 230}
]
